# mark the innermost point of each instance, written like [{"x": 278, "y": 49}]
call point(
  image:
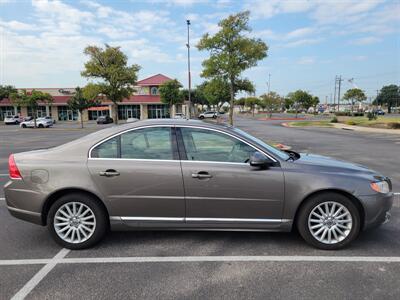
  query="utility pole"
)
[
  {"x": 269, "y": 83},
  {"x": 340, "y": 83},
  {"x": 334, "y": 95},
  {"x": 189, "y": 76}
]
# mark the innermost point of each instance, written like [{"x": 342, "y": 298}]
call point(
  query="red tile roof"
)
[{"x": 153, "y": 80}]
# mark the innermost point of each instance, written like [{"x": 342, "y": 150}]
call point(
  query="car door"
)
[
  {"x": 220, "y": 186},
  {"x": 138, "y": 172}
]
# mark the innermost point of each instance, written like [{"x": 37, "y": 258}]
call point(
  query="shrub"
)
[
  {"x": 334, "y": 120},
  {"x": 350, "y": 122},
  {"x": 342, "y": 113},
  {"x": 394, "y": 125},
  {"x": 371, "y": 116},
  {"x": 358, "y": 114}
]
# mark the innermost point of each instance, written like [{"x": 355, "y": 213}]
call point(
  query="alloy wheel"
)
[
  {"x": 330, "y": 222},
  {"x": 74, "y": 222}
]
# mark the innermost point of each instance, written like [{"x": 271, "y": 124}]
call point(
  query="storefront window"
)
[
  {"x": 66, "y": 114},
  {"x": 94, "y": 114},
  {"x": 156, "y": 111},
  {"x": 41, "y": 111},
  {"x": 128, "y": 111},
  {"x": 8, "y": 111}
]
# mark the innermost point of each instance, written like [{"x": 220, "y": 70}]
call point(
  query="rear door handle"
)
[
  {"x": 201, "y": 175},
  {"x": 109, "y": 173}
]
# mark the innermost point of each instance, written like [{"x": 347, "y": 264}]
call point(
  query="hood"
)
[{"x": 331, "y": 164}]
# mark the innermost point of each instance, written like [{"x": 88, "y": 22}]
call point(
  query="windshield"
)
[{"x": 281, "y": 154}]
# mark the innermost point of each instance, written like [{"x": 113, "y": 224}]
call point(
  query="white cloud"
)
[
  {"x": 366, "y": 40},
  {"x": 300, "y": 32},
  {"x": 18, "y": 26},
  {"x": 306, "y": 60},
  {"x": 268, "y": 9},
  {"x": 302, "y": 42}
]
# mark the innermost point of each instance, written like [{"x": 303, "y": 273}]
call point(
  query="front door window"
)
[{"x": 207, "y": 145}]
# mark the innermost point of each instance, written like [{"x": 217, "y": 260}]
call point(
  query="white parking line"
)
[
  {"x": 35, "y": 280},
  {"x": 3, "y": 174},
  {"x": 164, "y": 259},
  {"x": 2, "y": 199}
]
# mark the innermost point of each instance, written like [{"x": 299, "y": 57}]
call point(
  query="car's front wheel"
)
[
  {"x": 329, "y": 221},
  {"x": 77, "y": 221}
]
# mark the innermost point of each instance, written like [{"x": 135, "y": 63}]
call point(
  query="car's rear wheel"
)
[
  {"x": 77, "y": 221},
  {"x": 329, "y": 221},
  {"x": 23, "y": 126}
]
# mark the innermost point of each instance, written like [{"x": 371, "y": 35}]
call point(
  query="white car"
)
[
  {"x": 130, "y": 120},
  {"x": 179, "y": 116},
  {"x": 40, "y": 122},
  {"x": 208, "y": 114},
  {"x": 13, "y": 120}
]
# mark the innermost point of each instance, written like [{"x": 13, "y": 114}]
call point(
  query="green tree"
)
[
  {"x": 110, "y": 67},
  {"x": 301, "y": 99},
  {"x": 32, "y": 100},
  {"x": 217, "y": 92},
  {"x": 170, "y": 93},
  {"x": 288, "y": 102},
  {"x": 272, "y": 102},
  {"x": 389, "y": 95},
  {"x": 6, "y": 91},
  {"x": 231, "y": 53},
  {"x": 241, "y": 102},
  {"x": 354, "y": 95},
  {"x": 80, "y": 102},
  {"x": 252, "y": 102}
]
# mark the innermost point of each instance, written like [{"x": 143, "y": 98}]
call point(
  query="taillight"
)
[{"x": 13, "y": 169}]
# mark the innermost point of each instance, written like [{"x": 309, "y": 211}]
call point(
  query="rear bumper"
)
[
  {"x": 23, "y": 203},
  {"x": 377, "y": 209},
  {"x": 29, "y": 216}
]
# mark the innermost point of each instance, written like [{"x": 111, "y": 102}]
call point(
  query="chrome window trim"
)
[{"x": 177, "y": 126}]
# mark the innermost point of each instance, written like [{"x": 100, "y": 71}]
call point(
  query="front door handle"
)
[
  {"x": 109, "y": 173},
  {"x": 201, "y": 175}
]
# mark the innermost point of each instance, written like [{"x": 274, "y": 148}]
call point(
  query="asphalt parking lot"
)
[{"x": 203, "y": 265}]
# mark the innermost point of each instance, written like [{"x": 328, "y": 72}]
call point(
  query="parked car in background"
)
[
  {"x": 179, "y": 116},
  {"x": 131, "y": 120},
  {"x": 379, "y": 112},
  {"x": 104, "y": 120},
  {"x": 186, "y": 174},
  {"x": 208, "y": 114},
  {"x": 48, "y": 118},
  {"x": 15, "y": 120},
  {"x": 40, "y": 123}
]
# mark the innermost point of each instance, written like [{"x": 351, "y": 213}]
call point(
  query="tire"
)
[
  {"x": 214, "y": 116},
  {"x": 307, "y": 219},
  {"x": 201, "y": 117},
  {"x": 23, "y": 126},
  {"x": 40, "y": 126},
  {"x": 96, "y": 216}
]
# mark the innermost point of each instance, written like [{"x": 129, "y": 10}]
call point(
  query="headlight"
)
[{"x": 380, "y": 186}]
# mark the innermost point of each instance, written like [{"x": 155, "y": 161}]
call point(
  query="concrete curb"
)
[{"x": 365, "y": 129}]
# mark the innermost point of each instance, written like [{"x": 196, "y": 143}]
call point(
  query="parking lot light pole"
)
[{"x": 189, "y": 76}]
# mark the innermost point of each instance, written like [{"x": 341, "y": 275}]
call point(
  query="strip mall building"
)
[{"x": 144, "y": 103}]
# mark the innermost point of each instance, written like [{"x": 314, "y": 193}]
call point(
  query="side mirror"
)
[{"x": 259, "y": 160}]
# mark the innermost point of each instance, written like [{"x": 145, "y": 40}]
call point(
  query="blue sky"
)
[{"x": 41, "y": 42}]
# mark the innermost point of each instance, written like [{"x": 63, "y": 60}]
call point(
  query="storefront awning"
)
[{"x": 98, "y": 108}]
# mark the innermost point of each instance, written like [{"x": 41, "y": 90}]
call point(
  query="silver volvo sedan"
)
[{"x": 184, "y": 174}]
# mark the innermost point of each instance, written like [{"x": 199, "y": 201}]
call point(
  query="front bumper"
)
[{"x": 377, "y": 209}]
